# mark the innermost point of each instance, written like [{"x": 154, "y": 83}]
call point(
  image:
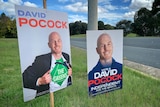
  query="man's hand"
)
[{"x": 45, "y": 79}]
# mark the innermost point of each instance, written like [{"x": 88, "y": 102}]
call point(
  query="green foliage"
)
[
  {"x": 108, "y": 26},
  {"x": 7, "y": 27},
  {"x": 155, "y": 7},
  {"x": 126, "y": 25},
  {"x": 156, "y": 16},
  {"x": 101, "y": 25},
  {"x": 138, "y": 90},
  {"x": 146, "y": 23},
  {"x": 78, "y": 28},
  {"x": 142, "y": 22}
]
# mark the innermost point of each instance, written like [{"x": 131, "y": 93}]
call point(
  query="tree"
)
[
  {"x": 77, "y": 28},
  {"x": 84, "y": 28},
  {"x": 143, "y": 22},
  {"x": 7, "y": 27},
  {"x": 125, "y": 25},
  {"x": 100, "y": 25},
  {"x": 156, "y": 7},
  {"x": 71, "y": 28},
  {"x": 11, "y": 29},
  {"x": 3, "y": 24},
  {"x": 156, "y": 16},
  {"x": 108, "y": 26}
]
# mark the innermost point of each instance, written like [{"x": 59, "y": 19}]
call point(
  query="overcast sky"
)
[{"x": 109, "y": 11}]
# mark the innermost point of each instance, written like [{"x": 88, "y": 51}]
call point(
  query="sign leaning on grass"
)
[
  {"x": 34, "y": 26},
  {"x": 104, "y": 61}
]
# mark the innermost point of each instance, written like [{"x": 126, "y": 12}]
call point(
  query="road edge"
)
[{"x": 144, "y": 69}]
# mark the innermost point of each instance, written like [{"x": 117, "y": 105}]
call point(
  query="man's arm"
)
[
  {"x": 36, "y": 74},
  {"x": 29, "y": 78}
]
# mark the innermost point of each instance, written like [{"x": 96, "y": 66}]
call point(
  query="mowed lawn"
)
[{"x": 138, "y": 90}]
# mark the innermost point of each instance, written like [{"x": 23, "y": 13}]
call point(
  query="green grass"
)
[
  {"x": 78, "y": 36},
  {"x": 132, "y": 35},
  {"x": 138, "y": 90}
]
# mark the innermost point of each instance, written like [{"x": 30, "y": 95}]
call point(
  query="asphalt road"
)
[{"x": 143, "y": 50}]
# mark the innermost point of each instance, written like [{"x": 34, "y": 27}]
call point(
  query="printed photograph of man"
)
[
  {"x": 107, "y": 70},
  {"x": 46, "y": 68}
]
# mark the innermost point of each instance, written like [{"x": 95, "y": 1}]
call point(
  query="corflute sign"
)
[
  {"x": 104, "y": 59},
  {"x": 41, "y": 71}
]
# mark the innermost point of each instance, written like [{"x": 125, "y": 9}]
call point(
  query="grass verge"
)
[
  {"x": 138, "y": 90},
  {"x": 78, "y": 36}
]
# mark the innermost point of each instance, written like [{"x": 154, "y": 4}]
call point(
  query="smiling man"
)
[
  {"x": 51, "y": 71},
  {"x": 107, "y": 74}
]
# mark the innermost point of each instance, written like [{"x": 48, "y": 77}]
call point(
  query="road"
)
[{"x": 143, "y": 50}]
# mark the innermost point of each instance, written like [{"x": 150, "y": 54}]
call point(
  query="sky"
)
[{"x": 109, "y": 11}]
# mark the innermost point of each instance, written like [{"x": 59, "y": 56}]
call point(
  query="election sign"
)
[
  {"x": 34, "y": 26},
  {"x": 104, "y": 61}
]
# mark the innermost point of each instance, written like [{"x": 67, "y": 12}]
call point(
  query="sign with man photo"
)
[
  {"x": 104, "y": 60},
  {"x": 44, "y": 46}
]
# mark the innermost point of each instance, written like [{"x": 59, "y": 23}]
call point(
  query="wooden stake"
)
[
  {"x": 51, "y": 99},
  {"x": 44, "y": 4}
]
